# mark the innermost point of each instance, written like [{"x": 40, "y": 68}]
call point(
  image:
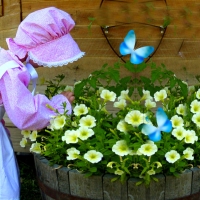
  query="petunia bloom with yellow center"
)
[
  {"x": 172, "y": 156},
  {"x": 135, "y": 118},
  {"x": 93, "y": 156}
]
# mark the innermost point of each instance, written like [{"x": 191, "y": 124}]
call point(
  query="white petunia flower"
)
[
  {"x": 123, "y": 95},
  {"x": 119, "y": 172},
  {"x": 23, "y": 142},
  {"x": 179, "y": 133},
  {"x": 158, "y": 164},
  {"x": 121, "y": 148},
  {"x": 122, "y": 126},
  {"x": 101, "y": 89},
  {"x": 160, "y": 95},
  {"x": 26, "y": 133},
  {"x": 148, "y": 149},
  {"x": 36, "y": 148},
  {"x": 69, "y": 88},
  {"x": 93, "y": 156},
  {"x": 181, "y": 110},
  {"x": 190, "y": 137},
  {"x": 72, "y": 153},
  {"x": 59, "y": 122},
  {"x": 195, "y": 106},
  {"x": 70, "y": 136},
  {"x": 80, "y": 110},
  {"x": 191, "y": 89},
  {"x": 121, "y": 104},
  {"x": 110, "y": 164},
  {"x": 88, "y": 121},
  {"x": 196, "y": 119},
  {"x": 198, "y": 94},
  {"x": 85, "y": 132},
  {"x": 167, "y": 90},
  {"x": 135, "y": 118},
  {"x": 146, "y": 95},
  {"x": 108, "y": 95},
  {"x": 149, "y": 104},
  {"x": 176, "y": 121},
  {"x": 188, "y": 153},
  {"x": 172, "y": 156},
  {"x": 33, "y": 136},
  {"x": 151, "y": 172}
]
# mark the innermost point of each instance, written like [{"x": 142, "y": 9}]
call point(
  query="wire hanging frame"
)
[{"x": 105, "y": 28}]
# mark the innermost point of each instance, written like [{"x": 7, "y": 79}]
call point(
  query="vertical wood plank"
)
[
  {"x": 154, "y": 192},
  {"x": 195, "y": 180},
  {"x": 114, "y": 190},
  {"x": 47, "y": 174},
  {"x": 136, "y": 192},
  {"x": 85, "y": 187},
  {"x": 157, "y": 189},
  {"x": 177, "y": 187},
  {"x": 63, "y": 180}
]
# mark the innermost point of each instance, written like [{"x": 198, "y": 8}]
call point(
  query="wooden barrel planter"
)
[{"x": 65, "y": 184}]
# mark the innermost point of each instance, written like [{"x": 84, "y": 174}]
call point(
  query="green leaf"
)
[
  {"x": 154, "y": 178},
  {"x": 92, "y": 81},
  {"x": 172, "y": 169},
  {"x": 139, "y": 183},
  {"x": 78, "y": 89},
  {"x": 115, "y": 178},
  {"x": 93, "y": 169},
  {"x": 88, "y": 174}
]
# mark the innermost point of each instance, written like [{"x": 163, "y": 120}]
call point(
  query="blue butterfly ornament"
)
[
  {"x": 164, "y": 124},
  {"x": 137, "y": 55}
]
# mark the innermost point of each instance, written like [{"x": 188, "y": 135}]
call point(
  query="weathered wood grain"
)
[
  {"x": 73, "y": 183},
  {"x": 114, "y": 190},
  {"x": 85, "y": 187},
  {"x": 195, "y": 180},
  {"x": 180, "y": 186},
  {"x": 46, "y": 174},
  {"x": 63, "y": 180},
  {"x": 141, "y": 192}
]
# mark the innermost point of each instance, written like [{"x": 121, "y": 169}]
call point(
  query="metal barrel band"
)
[
  {"x": 195, "y": 196},
  {"x": 57, "y": 195}
]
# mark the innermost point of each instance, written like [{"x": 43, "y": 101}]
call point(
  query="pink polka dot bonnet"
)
[{"x": 44, "y": 35}]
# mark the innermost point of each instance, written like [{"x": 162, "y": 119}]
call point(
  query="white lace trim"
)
[{"x": 55, "y": 64}]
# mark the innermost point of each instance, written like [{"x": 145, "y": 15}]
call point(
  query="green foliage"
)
[{"x": 111, "y": 143}]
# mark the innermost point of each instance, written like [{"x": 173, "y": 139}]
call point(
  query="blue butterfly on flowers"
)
[
  {"x": 164, "y": 124},
  {"x": 138, "y": 55}
]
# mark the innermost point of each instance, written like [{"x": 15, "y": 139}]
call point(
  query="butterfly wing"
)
[
  {"x": 138, "y": 55},
  {"x": 164, "y": 124},
  {"x": 152, "y": 132},
  {"x": 128, "y": 45}
]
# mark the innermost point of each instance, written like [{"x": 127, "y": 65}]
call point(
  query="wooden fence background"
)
[{"x": 101, "y": 26}]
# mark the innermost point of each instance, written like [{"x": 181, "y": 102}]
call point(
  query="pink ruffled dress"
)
[{"x": 26, "y": 111}]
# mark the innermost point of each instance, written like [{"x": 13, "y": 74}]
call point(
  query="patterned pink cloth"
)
[
  {"x": 44, "y": 35},
  {"x": 24, "y": 110}
]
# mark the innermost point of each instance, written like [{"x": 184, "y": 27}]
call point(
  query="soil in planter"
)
[{"x": 29, "y": 186}]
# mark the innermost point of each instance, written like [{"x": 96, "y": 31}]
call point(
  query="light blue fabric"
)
[
  {"x": 9, "y": 171},
  {"x": 34, "y": 75}
]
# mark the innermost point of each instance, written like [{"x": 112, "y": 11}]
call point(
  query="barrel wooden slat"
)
[
  {"x": 154, "y": 192},
  {"x": 136, "y": 192},
  {"x": 63, "y": 180},
  {"x": 82, "y": 186},
  {"x": 180, "y": 186},
  {"x": 114, "y": 190},
  {"x": 64, "y": 183},
  {"x": 46, "y": 174},
  {"x": 195, "y": 180}
]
